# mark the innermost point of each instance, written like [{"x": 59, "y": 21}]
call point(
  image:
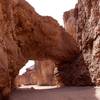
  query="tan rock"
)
[
  {"x": 42, "y": 74},
  {"x": 70, "y": 23}
]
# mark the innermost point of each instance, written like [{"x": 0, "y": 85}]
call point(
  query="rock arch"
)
[{"x": 24, "y": 35}]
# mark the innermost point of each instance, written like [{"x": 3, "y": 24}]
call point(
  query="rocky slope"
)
[
  {"x": 42, "y": 74},
  {"x": 25, "y": 35},
  {"x": 83, "y": 23}
]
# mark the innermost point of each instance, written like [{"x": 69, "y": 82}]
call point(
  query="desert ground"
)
[{"x": 53, "y": 93}]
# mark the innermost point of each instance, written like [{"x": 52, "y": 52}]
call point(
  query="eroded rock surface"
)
[
  {"x": 42, "y": 73},
  {"x": 26, "y": 35},
  {"x": 70, "y": 22},
  {"x": 83, "y": 23}
]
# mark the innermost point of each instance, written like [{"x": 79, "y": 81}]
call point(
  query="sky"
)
[
  {"x": 54, "y": 8},
  {"x": 27, "y": 65}
]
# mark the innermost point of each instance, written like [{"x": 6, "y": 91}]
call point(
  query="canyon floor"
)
[{"x": 53, "y": 93}]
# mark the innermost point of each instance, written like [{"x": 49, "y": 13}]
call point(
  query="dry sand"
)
[{"x": 66, "y": 93}]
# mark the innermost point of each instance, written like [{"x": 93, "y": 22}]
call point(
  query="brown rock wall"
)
[
  {"x": 86, "y": 17},
  {"x": 26, "y": 35}
]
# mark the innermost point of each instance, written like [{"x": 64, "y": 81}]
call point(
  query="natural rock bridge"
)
[{"x": 25, "y": 35}]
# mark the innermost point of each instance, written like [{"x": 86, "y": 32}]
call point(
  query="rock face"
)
[
  {"x": 70, "y": 22},
  {"x": 28, "y": 78},
  {"x": 45, "y": 72},
  {"x": 83, "y": 23},
  {"x": 26, "y": 35},
  {"x": 42, "y": 74}
]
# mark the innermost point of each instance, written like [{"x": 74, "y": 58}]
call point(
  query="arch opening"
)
[
  {"x": 46, "y": 11},
  {"x": 37, "y": 75}
]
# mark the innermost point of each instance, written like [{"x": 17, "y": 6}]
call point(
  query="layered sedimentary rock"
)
[
  {"x": 83, "y": 23},
  {"x": 42, "y": 73},
  {"x": 26, "y": 35}
]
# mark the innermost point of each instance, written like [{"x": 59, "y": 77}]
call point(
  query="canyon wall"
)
[
  {"x": 25, "y": 35},
  {"x": 83, "y": 23},
  {"x": 42, "y": 73}
]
